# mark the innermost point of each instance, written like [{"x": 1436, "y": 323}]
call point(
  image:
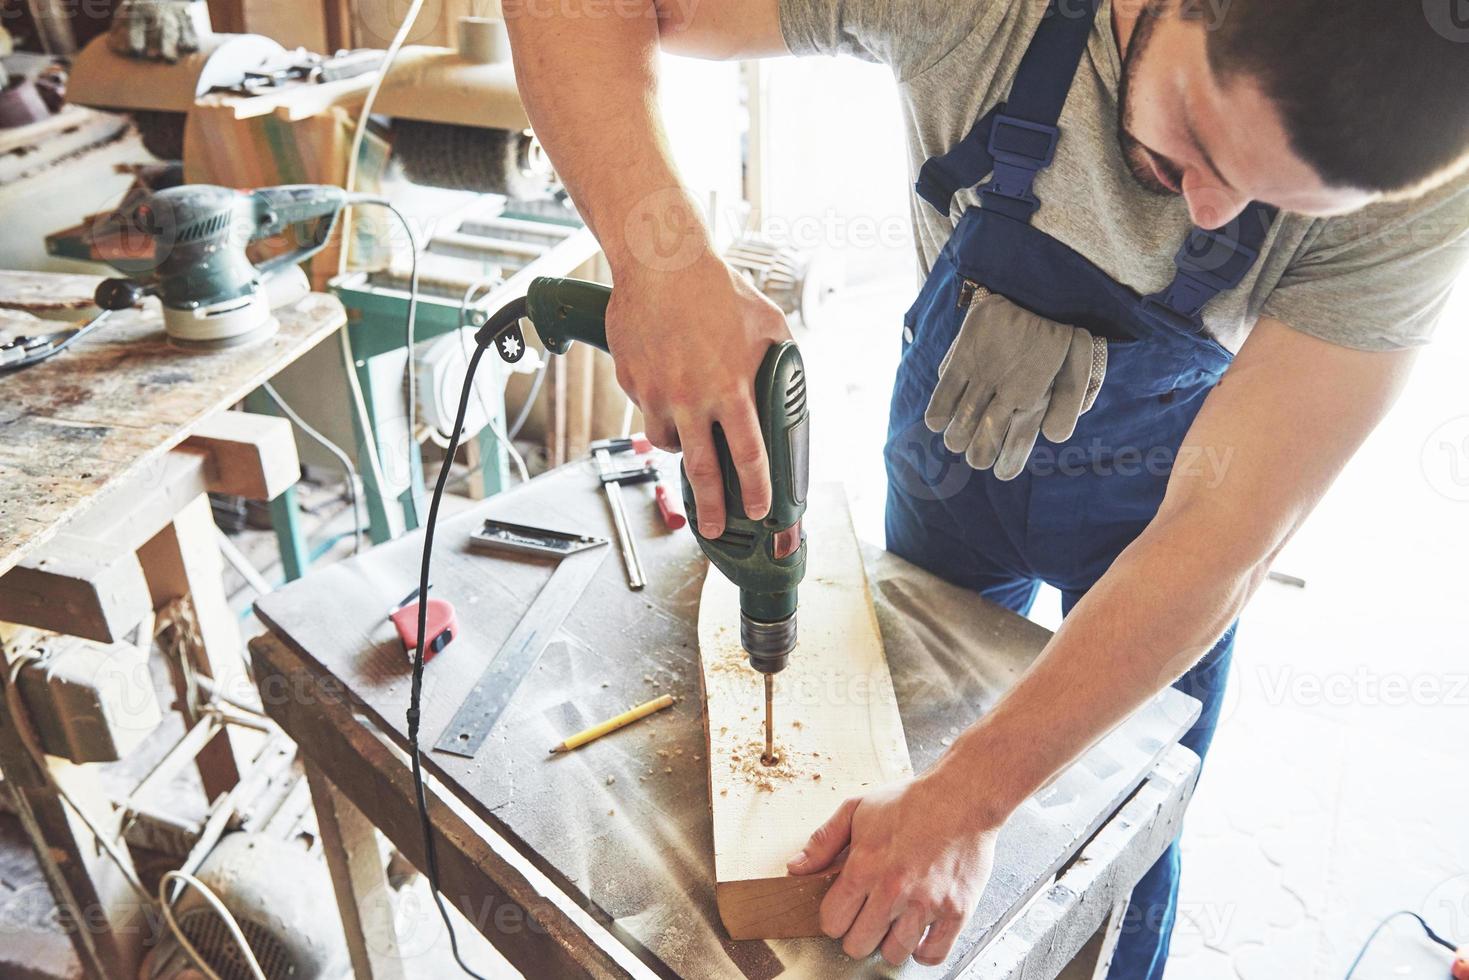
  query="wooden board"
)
[
  {"x": 837, "y": 730},
  {"x": 112, "y": 405}
]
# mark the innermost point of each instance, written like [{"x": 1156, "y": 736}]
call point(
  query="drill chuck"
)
[{"x": 768, "y": 645}]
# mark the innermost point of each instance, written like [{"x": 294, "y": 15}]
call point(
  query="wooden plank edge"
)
[
  {"x": 746, "y": 907},
  {"x": 326, "y": 314}
]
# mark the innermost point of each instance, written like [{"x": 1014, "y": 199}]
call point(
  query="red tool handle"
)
[
  {"x": 440, "y": 627},
  {"x": 672, "y": 519}
]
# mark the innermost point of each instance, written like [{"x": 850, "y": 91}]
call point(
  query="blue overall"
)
[{"x": 1077, "y": 504}]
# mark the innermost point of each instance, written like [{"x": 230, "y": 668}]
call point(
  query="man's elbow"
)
[{"x": 1234, "y": 534}]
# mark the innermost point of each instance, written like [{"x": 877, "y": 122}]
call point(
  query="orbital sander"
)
[{"x": 186, "y": 245}]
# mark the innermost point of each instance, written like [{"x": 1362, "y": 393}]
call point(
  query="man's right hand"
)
[{"x": 687, "y": 344}]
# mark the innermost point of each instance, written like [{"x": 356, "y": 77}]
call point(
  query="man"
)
[{"x": 1080, "y": 400}]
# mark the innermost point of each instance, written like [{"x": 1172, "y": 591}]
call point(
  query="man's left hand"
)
[{"x": 918, "y": 857}]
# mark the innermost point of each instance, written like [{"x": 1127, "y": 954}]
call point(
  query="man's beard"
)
[{"x": 1133, "y": 151}]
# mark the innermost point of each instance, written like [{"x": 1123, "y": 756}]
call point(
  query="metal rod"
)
[
  {"x": 631, "y": 560},
  {"x": 769, "y": 757},
  {"x": 630, "y": 556}
]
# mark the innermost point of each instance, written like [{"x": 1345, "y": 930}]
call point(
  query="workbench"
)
[
  {"x": 111, "y": 406},
  {"x": 599, "y": 862},
  {"x": 108, "y": 451}
]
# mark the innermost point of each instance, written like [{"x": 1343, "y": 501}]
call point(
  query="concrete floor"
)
[{"x": 1335, "y": 791}]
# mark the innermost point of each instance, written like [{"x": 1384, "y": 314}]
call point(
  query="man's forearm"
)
[
  {"x": 1173, "y": 592},
  {"x": 588, "y": 77},
  {"x": 1160, "y": 607}
]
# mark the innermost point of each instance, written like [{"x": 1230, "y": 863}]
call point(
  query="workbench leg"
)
[
  {"x": 183, "y": 560},
  {"x": 487, "y": 464},
  {"x": 364, "y": 898},
  {"x": 538, "y": 936},
  {"x": 285, "y": 515},
  {"x": 385, "y": 516},
  {"x": 99, "y": 909},
  {"x": 414, "y": 500}
]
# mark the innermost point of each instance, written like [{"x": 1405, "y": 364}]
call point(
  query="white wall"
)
[{"x": 837, "y": 164}]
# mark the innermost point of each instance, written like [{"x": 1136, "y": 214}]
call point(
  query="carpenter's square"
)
[{"x": 491, "y": 694}]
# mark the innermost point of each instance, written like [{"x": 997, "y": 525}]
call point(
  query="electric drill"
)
[{"x": 765, "y": 558}]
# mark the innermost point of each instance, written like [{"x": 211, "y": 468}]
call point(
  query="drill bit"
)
[{"x": 769, "y": 757}]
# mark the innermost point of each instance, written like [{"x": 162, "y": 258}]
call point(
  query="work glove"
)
[
  {"x": 156, "y": 29},
  {"x": 1009, "y": 376}
]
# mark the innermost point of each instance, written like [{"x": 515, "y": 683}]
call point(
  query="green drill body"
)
[{"x": 764, "y": 558}]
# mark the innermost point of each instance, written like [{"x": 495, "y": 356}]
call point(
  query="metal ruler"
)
[{"x": 491, "y": 694}]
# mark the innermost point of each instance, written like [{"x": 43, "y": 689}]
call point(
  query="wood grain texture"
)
[
  {"x": 86, "y": 580},
  {"x": 113, "y": 405},
  {"x": 46, "y": 292},
  {"x": 251, "y": 455},
  {"x": 837, "y": 730}
]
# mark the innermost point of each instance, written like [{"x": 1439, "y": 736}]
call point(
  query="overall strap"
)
[
  {"x": 1211, "y": 262},
  {"x": 1017, "y": 139}
]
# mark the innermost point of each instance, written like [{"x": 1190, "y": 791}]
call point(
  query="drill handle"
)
[{"x": 567, "y": 310}]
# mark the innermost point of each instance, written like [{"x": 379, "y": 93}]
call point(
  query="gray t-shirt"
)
[{"x": 1373, "y": 280}]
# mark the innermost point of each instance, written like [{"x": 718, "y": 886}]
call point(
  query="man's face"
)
[{"x": 1221, "y": 144}]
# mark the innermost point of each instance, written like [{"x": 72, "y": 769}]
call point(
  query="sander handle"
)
[{"x": 312, "y": 208}]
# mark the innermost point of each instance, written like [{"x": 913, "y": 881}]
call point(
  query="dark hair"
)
[{"x": 1373, "y": 93}]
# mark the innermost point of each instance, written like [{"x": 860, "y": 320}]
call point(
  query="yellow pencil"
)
[{"x": 613, "y": 724}]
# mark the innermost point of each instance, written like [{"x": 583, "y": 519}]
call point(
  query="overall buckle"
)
[
  {"x": 1020, "y": 149},
  {"x": 1217, "y": 260},
  {"x": 1207, "y": 263}
]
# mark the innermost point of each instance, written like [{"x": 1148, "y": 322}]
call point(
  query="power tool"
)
[
  {"x": 192, "y": 256},
  {"x": 765, "y": 557}
]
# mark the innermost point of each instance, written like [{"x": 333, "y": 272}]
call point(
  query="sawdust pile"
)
[{"x": 790, "y": 765}]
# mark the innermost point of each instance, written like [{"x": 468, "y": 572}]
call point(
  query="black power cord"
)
[
  {"x": 507, "y": 317},
  {"x": 1362, "y": 953}
]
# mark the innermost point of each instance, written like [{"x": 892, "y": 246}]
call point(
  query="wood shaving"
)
[{"x": 749, "y": 766}]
